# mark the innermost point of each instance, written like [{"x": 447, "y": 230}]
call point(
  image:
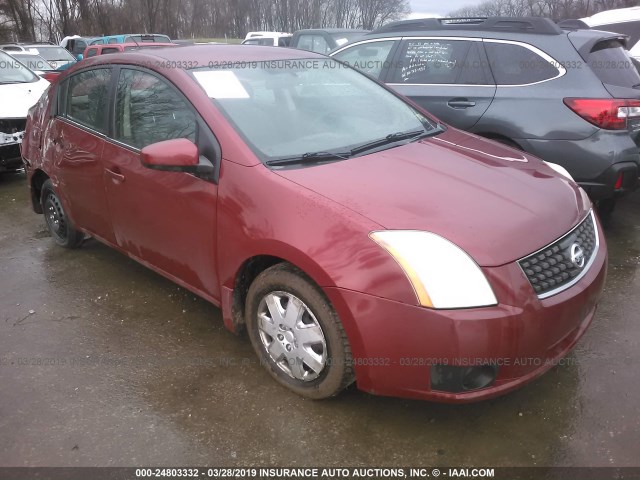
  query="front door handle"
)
[
  {"x": 115, "y": 175},
  {"x": 461, "y": 103}
]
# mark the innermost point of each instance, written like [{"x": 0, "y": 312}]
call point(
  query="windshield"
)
[
  {"x": 292, "y": 108},
  {"x": 33, "y": 62},
  {"x": 54, "y": 53},
  {"x": 342, "y": 38},
  {"x": 148, "y": 38},
  {"x": 12, "y": 71}
]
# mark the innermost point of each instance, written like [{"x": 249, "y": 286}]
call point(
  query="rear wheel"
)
[
  {"x": 56, "y": 219},
  {"x": 297, "y": 334}
]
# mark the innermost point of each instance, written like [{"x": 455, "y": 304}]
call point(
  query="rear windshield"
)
[{"x": 613, "y": 66}]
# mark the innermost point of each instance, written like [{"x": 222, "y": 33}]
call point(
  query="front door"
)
[{"x": 167, "y": 219}]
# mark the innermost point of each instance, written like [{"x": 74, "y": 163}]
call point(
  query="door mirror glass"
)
[{"x": 178, "y": 154}]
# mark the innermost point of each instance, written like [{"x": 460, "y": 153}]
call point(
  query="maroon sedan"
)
[{"x": 350, "y": 233}]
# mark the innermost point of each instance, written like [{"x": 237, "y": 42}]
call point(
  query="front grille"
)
[{"x": 562, "y": 263}]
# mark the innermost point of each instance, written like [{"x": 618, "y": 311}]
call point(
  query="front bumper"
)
[
  {"x": 395, "y": 345},
  {"x": 10, "y": 157}
]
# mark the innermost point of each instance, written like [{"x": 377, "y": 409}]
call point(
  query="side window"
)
[
  {"x": 440, "y": 62},
  {"x": 86, "y": 99},
  {"x": 517, "y": 65},
  {"x": 320, "y": 45},
  {"x": 313, "y": 43},
  {"x": 367, "y": 57},
  {"x": 305, "y": 42},
  {"x": 92, "y": 52},
  {"x": 79, "y": 46},
  {"x": 110, "y": 50},
  {"x": 148, "y": 110},
  {"x": 113, "y": 40}
]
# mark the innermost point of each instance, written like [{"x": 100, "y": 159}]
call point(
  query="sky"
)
[{"x": 425, "y": 8}]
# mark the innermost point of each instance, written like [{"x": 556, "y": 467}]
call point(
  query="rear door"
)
[
  {"x": 447, "y": 76},
  {"x": 78, "y": 136}
]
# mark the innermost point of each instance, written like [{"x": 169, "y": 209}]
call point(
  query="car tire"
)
[
  {"x": 56, "y": 219},
  {"x": 305, "y": 349}
]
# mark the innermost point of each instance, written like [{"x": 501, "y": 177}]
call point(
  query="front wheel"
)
[
  {"x": 297, "y": 334},
  {"x": 56, "y": 219}
]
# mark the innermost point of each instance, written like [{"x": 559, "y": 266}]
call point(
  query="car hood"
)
[
  {"x": 18, "y": 98},
  {"x": 496, "y": 203}
]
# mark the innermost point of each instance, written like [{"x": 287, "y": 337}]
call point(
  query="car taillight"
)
[
  {"x": 51, "y": 76},
  {"x": 610, "y": 114}
]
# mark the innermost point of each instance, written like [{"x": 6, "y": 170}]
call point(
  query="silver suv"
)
[{"x": 570, "y": 97}]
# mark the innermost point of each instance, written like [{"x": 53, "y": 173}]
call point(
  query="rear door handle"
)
[
  {"x": 461, "y": 103},
  {"x": 115, "y": 175}
]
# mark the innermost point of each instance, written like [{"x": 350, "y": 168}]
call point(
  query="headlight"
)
[
  {"x": 560, "y": 169},
  {"x": 441, "y": 273}
]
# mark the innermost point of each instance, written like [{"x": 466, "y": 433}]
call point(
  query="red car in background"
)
[
  {"x": 349, "y": 232},
  {"x": 95, "y": 50}
]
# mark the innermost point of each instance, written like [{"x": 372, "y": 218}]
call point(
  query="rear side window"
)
[
  {"x": 86, "y": 101},
  {"x": 441, "y": 62},
  {"x": 517, "y": 65},
  {"x": 148, "y": 110},
  {"x": 613, "y": 66},
  {"x": 367, "y": 57}
]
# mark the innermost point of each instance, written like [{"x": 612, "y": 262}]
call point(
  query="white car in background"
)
[
  {"x": 625, "y": 21},
  {"x": 269, "y": 39},
  {"x": 20, "y": 89}
]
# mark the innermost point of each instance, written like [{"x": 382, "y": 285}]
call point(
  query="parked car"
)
[
  {"x": 625, "y": 21},
  {"x": 54, "y": 54},
  {"x": 37, "y": 65},
  {"x": 569, "y": 97},
  {"x": 323, "y": 40},
  {"x": 269, "y": 39},
  {"x": 20, "y": 88},
  {"x": 95, "y": 50},
  {"x": 356, "y": 237}
]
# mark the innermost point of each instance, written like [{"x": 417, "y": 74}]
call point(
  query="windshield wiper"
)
[
  {"x": 309, "y": 157},
  {"x": 411, "y": 136}
]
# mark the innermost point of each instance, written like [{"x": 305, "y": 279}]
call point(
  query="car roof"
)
[
  {"x": 492, "y": 27},
  {"x": 620, "y": 15},
  {"x": 202, "y": 55},
  {"x": 331, "y": 30}
]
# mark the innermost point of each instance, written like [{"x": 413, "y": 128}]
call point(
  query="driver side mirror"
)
[{"x": 176, "y": 155}]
